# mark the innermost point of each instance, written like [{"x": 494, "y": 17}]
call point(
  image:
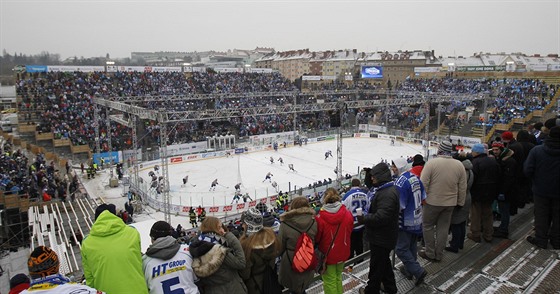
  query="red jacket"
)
[
  {"x": 417, "y": 170},
  {"x": 326, "y": 228}
]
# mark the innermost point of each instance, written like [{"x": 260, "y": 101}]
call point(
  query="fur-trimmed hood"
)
[
  {"x": 207, "y": 257},
  {"x": 295, "y": 212}
]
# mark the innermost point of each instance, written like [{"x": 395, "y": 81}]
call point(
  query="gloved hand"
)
[
  {"x": 360, "y": 219},
  {"x": 501, "y": 197},
  {"x": 458, "y": 207}
]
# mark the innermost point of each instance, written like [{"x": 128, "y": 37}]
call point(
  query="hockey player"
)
[
  {"x": 392, "y": 142},
  {"x": 275, "y": 146},
  {"x": 237, "y": 187},
  {"x": 228, "y": 154},
  {"x": 271, "y": 160},
  {"x": 275, "y": 185},
  {"x": 156, "y": 169},
  {"x": 185, "y": 180},
  {"x": 327, "y": 154},
  {"x": 236, "y": 197},
  {"x": 246, "y": 196},
  {"x": 281, "y": 160},
  {"x": 268, "y": 177},
  {"x": 291, "y": 167},
  {"x": 213, "y": 185}
]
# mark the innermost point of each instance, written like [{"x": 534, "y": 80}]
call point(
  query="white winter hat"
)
[{"x": 401, "y": 164}]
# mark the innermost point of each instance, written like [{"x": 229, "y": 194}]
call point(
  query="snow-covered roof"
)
[
  {"x": 398, "y": 55},
  {"x": 540, "y": 60},
  {"x": 494, "y": 59},
  {"x": 343, "y": 55},
  {"x": 462, "y": 61}
]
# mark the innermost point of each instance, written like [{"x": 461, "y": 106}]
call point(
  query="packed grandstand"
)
[{"x": 61, "y": 104}]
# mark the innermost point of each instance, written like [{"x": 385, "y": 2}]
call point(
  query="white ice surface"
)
[{"x": 309, "y": 162}]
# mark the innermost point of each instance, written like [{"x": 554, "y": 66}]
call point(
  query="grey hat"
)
[
  {"x": 445, "y": 147},
  {"x": 253, "y": 219}
]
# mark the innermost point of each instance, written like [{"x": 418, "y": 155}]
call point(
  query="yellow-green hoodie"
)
[{"x": 111, "y": 257}]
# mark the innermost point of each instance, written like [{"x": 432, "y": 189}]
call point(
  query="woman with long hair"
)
[
  {"x": 261, "y": 249},
  {"x": 298, "y": 219},
  {"x": 218, "y": 258}
]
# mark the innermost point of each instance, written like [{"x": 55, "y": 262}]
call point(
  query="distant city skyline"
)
[{"x": 94, "y": 28}]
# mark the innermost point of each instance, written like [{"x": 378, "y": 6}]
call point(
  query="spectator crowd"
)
[{"x": 63, "y": 103}]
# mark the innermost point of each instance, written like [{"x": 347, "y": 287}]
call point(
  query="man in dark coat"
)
[
  {"x": 543, "y": 167},
  {"x": 483, "y": 192},
  {"x": 506, "y": 187},
  {"x": 519, "y": 155},
  {"x": 526, "y": 140},
  {"x": 382, "y": 226}
]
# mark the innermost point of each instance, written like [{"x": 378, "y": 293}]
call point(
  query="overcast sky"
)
[{"x": 92, "y": 28}]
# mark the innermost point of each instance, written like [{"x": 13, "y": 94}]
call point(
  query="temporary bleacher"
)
[{"x": 58, "y": 225}]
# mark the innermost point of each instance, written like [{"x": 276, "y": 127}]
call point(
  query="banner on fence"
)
[{"x": 108, "y": 157}]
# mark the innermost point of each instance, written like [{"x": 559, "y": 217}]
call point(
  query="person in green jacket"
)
[{"x": 111, "y": 256}]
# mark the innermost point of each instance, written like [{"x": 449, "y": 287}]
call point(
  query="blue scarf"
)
[
  {"x": 212, "y": 238},
  {"x": 56, "y": 279}
]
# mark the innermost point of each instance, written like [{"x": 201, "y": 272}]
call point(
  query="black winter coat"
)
[
  {"x": 487, "y": 174},
  {"x": 508, "y": 183},
  {"x": 382, "y": 219},
  {"x": 519, "y": 154},
  {"x": 543, "y": 167}
]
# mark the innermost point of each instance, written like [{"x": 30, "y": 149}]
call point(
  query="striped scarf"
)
[{"x": 212, "y": 238}]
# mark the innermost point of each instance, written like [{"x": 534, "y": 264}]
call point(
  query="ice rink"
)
[{"x": 250, "y": 169}]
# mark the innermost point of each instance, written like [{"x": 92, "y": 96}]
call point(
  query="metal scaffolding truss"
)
[
  {"x": 218, "y": 96},
  {"x": 169, "y": 116},
  {"x": 122, "y": 110}
]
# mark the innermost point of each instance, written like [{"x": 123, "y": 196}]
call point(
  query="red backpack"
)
[{"x": 304, "y": 254}]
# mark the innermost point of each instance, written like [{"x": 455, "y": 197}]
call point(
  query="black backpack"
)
[{"x": 270, "y": 282}]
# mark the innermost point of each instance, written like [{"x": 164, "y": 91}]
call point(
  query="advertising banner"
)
[
  {"x": 480, "y": 68},
  {"x": 426, "y": 69},
  {"x": 465, "y": 141},
  {"x": 36, "y": 68},
  {"x": 107, "y": 156},
  {"x": 73, "y": 68},
  {"x": 222, "y": 70},
  {"x": 259, "y": 70},
  {"x": 126, "y": 154},
  {"x": 166, "y": 69},
  {"x": 180, "y": 149},
  {"x": 192, "y": 157},
  {"x": 135, "y": 68},
  {"x": 372, "y": 72}
]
